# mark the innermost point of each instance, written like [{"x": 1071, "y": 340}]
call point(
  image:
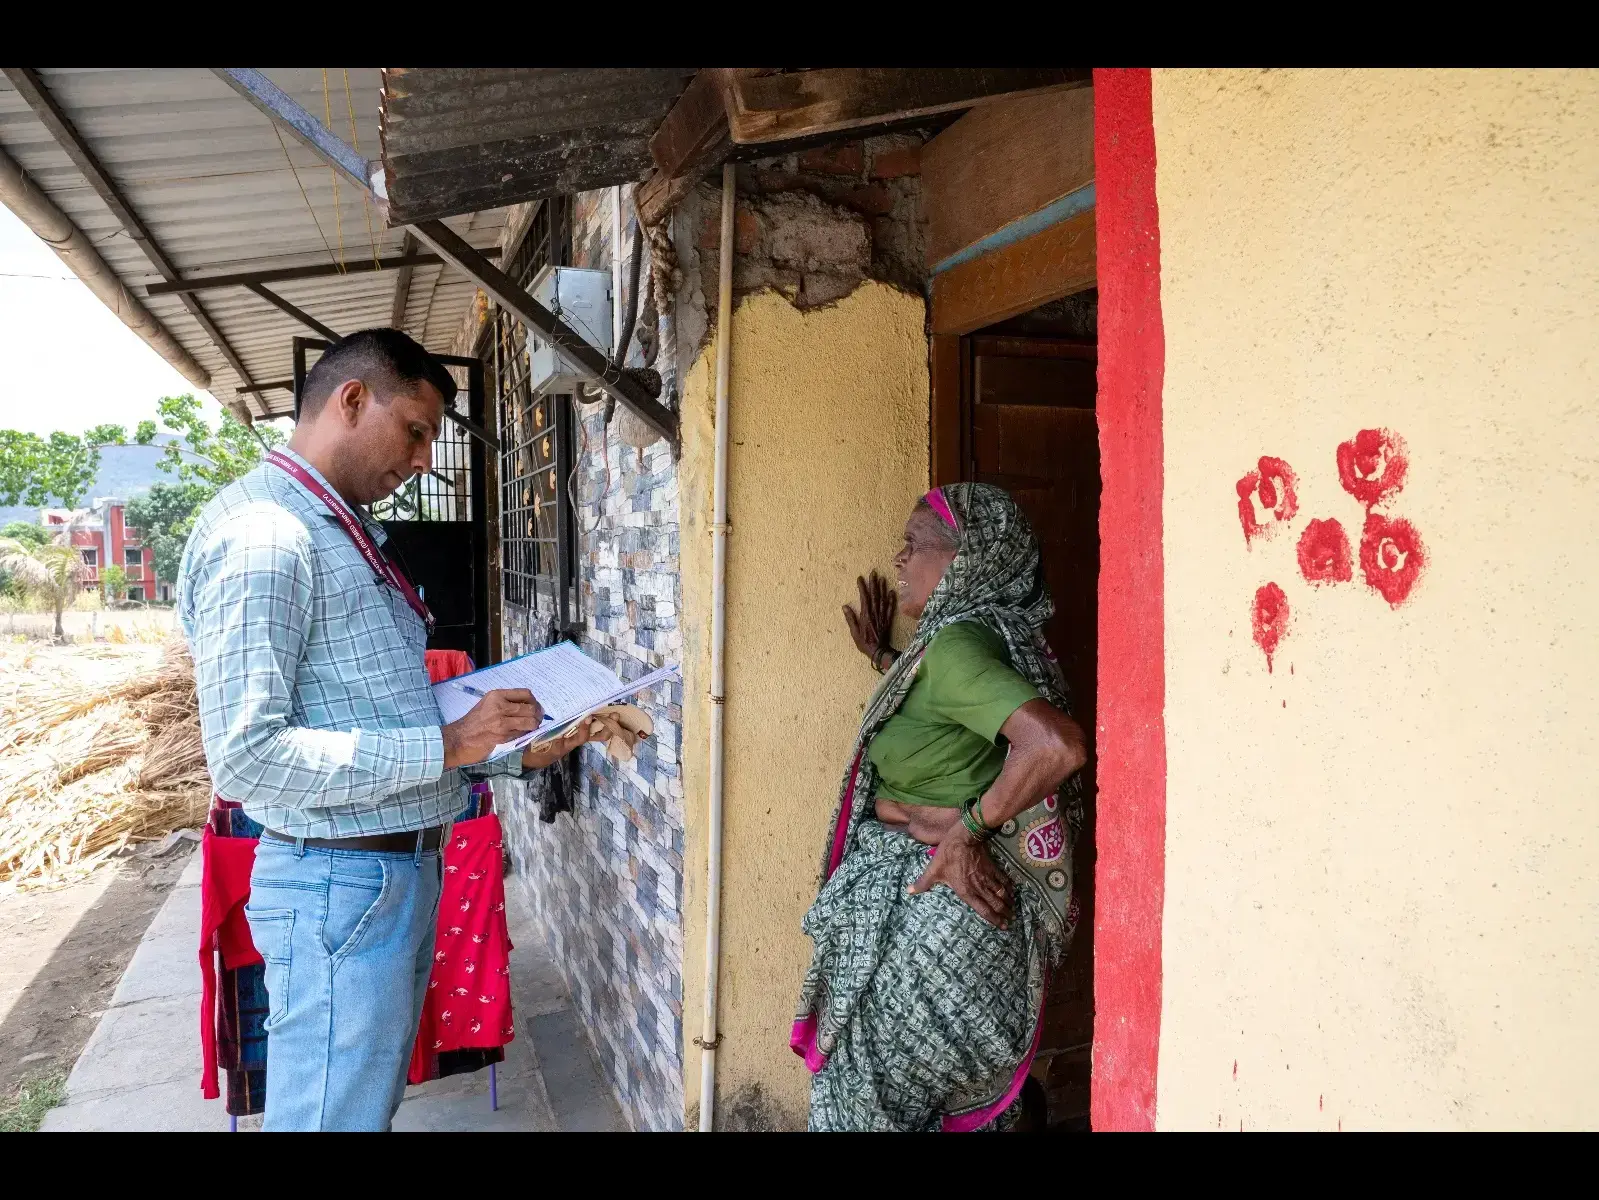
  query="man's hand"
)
[
  {"x": 869, "y": 628},
  {"x": 963, "y": 864},
  {"x": 543, "y": 754},
  {"x": 501, "y": 716}
]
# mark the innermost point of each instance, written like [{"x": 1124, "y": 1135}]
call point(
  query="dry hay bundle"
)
[{"x": 99, "y": 748}]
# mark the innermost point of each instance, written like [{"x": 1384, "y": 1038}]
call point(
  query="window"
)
[
  {"x": 135, "y": 593},
  {"x": 91, "y": 558},
  {"x": 538, "y": 543},
  {"x": 132, "y": 556}
]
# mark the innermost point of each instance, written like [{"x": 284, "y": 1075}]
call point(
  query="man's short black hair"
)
[{"x": 383, "y": 359}]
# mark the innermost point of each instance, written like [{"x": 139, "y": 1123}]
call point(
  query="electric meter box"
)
[{"x": 581, "y": 298}]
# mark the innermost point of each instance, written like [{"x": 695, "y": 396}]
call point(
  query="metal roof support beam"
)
[
  {"x": 211, "y": 283},
  {"x": 584, "y": 360},
  {"x": 299, "y": 314},
  {"x": 284, "y": 109},
  {"x": 53, "y": 227},
  {"x": 402, "y": 285},
  {"x": 28, "y": 84},
  {"x": 569, "y": 346}
]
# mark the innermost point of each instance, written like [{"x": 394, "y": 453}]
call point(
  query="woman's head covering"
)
[{"x": 997, "y": 579}]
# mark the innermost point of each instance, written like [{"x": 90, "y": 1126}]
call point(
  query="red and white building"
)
[{"x": 104, "y": 538}]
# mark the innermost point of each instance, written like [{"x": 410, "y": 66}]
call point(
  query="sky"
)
[{"x": 68, "y": 363}]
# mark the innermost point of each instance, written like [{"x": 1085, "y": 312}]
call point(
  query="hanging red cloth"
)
[
  {"x": 224, "y": 890},
  {"x": 468, "y": 1002},
  {"x": 447, "y": 664}
]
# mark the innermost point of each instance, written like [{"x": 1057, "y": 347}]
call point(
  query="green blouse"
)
[{"x": 943, "y": 746}]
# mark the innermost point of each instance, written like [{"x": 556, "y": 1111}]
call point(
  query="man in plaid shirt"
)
[{"x": 318, "y": 717}]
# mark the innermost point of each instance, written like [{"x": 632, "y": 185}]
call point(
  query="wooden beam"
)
[
  {"x": 584, "y": 359},
  {"x": 695, "y": 126},
  {"x": 402, "y": 285},
  {"x": 211, "y": 283},
  {"x": 1002, "y": 161},
  {"x": 776, "y": 108},
  {"x": 299, "y": 314},
  {"x": 31, "y": 87},
  {"x": 1056, "y": 262},
  {"x": 659, "y": 194},
  {"x": 692, "y": 140},
  {"x": 947, "y": 457}
]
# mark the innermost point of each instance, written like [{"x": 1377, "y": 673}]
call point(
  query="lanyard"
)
[{"x": 380, "y": 562}]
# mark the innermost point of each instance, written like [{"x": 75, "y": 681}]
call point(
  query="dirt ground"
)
[{"x": 64, "y": 952}]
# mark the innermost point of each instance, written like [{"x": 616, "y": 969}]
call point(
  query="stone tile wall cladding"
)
[{"x": 606, "y": 880}]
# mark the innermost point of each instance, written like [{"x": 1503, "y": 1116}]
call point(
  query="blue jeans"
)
[{"x": 347, "y": 937}]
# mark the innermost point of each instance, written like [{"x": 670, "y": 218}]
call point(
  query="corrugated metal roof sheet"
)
[
  {"x": 455, "y": 139},
  {"x": 221, "y": 193}
]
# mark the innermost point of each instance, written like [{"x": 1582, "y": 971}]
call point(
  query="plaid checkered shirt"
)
[{"x": 315, "y": 705}]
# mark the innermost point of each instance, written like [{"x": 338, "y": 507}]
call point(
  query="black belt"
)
[{"x": 373, "y": 843}]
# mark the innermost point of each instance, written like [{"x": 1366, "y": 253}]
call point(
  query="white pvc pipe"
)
[
  {"x": 713, "y": 871},
  {"x": 616, "y": 271}
]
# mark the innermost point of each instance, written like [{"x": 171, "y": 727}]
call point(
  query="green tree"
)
[
  {"x": 33, "y": 470},
  {"x": 163, "y": 516},
  {"x": 214, "y": 456},
  {"x": 26, "y": 532},
  {"x": 113, "y": 582},
  {"x": 54, "y": 572}
]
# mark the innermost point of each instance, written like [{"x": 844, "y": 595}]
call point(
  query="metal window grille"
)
[{"x": 537, "y": 550}]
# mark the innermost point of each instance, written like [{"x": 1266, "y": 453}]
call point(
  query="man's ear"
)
[{"x": 349, "y": 396}]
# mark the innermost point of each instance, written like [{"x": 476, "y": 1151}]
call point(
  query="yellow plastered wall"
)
[
  {"x": 828, "y": 452},
  {"x": 1382, "y": 879}
]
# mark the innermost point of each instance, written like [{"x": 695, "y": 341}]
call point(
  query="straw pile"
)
[{"x": 99, "y": 749}]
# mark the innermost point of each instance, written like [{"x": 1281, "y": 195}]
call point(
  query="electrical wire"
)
[
  {"x": 338, "y": 211},
  {"x": 366, "y": 200},
  {"x": 309, "y": 207}
]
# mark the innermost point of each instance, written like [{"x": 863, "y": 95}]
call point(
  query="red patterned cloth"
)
[
  {"x": 468, "y": 1005},
  {"x": 224, "y": 889}
]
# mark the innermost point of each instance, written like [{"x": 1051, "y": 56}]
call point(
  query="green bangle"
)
[{"x": 971, "y": 817}]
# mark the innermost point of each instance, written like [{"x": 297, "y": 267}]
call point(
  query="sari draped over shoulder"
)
[{"x": 915, "y": 1012}]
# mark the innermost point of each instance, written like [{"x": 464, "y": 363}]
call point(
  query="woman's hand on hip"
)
[
  {"x": 869, "y": 628},
  {"x": 964, "y": 865}
]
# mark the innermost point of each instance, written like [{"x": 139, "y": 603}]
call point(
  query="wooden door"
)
[{"x": 1028, "y": 405}]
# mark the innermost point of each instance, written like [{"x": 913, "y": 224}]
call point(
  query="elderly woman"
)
[{"x": 947, "y": 882}]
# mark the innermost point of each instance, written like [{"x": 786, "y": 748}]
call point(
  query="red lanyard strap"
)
[{"x": 380, "y": 562}]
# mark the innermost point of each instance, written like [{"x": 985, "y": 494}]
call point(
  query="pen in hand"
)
[{"x": 472, "y": 691}]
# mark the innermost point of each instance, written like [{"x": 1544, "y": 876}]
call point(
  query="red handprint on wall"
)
[
  {"x": 1372, "y": 467},
  {"x": 1391, "y": 557},
  {"x": 1267, "y": 499}
]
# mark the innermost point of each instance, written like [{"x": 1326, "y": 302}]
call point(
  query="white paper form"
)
[{"x": 564, "y": 680}]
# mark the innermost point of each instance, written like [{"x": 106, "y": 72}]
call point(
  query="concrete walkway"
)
[{"x": 140, "y": 1070}]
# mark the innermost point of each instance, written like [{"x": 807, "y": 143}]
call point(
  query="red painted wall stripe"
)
[{"x": 1130, "y": 876}]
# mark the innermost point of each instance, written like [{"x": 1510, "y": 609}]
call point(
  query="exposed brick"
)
[
  {"x": 746, "y": 231},
  {"x": 834, "y": 160},
  {"x": 709, "y": 233},
  {"x": 891, "y": 164},
  {"x": 874, "y": 200}
]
